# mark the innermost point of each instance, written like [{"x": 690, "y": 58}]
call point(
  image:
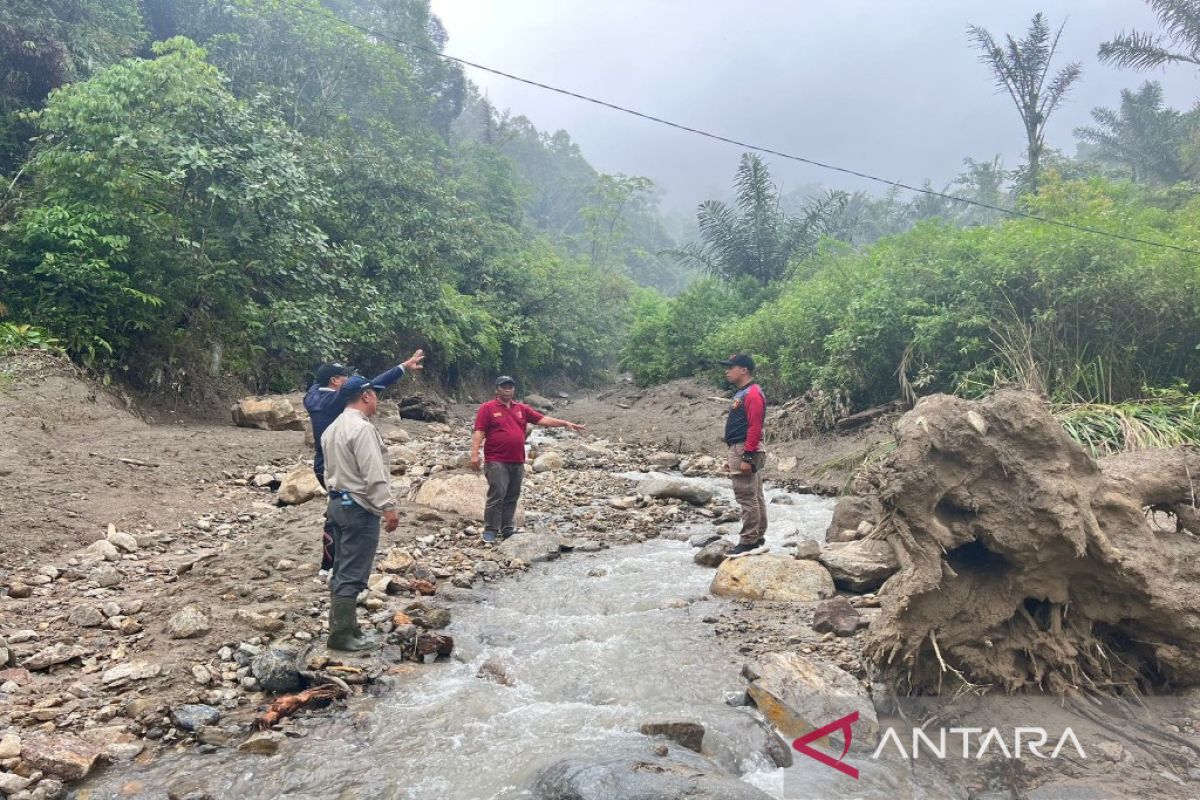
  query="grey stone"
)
[
  {"x": 193, "y": 716},
  {"x": 123, "y": 541},
  {"x": 850, "y": 512},
  {"x": 797, "y": 694},
  {"x": 107, "y": 577},
  {"x": 836, "y": 615},
  {"x": 263, "y": 743},
  {"x": 539, "y": 402},
  {"x": 685, "y": 732},
  {"x": 59, "y": 653},
  {"x": 299, "y": 486},
  {"x": 638, "y": 772},
  {"x": 808, "y": 549},
  {"x": 531, "y": 547},
  {"x": 11, "y": 783},
  {"x": 713, "y": 554},
  {"x": 736, "y": 738},
  {"x": 663, "y": 460},
  {"x": 85, "y": 616},
  {"x": 130, "y": 671},
  {"x": 704, "y": 539},
  {"x": 430, "y": 617},
  {"x": 549, "y": 462},
  {"x": 687, "y": 491},
  {"x": 860, "y": 566},
  {"x": 275, "y": 670}
]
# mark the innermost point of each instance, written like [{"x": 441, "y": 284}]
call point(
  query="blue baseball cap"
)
[
  {"x": 357, "y": 384},
  {"x": 505, "y": 379}
]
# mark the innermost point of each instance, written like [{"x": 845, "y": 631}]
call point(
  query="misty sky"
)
[{"x": 888, "y": 87}]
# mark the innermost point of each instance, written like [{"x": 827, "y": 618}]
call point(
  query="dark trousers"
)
[
  {"x": 327, "y": 533},
  {"x": 504, "y": 490},
  {"x": 355, "y": 540},
  {"x": 748, "y": 491}
]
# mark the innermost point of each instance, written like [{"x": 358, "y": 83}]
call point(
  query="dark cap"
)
[
  {"x": 739, "y": 360},
  {"x": 357, "y": 384},
  {"x": 505, "y": 379},
  {"x": 327, "y": 372}
]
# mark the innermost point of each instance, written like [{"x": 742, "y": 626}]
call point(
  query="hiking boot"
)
[
  {"x": 489, "y": 537},
  {"x": 507, "y": 532},
  {"x": 748, "y": 549},
  {"x": 344, "y": 633}
]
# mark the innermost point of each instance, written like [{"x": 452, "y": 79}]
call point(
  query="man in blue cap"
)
[
  {"x": 500, "y": 426},
  {"x": 360, "y": 495},
  {"x": 324, "y": 402}
]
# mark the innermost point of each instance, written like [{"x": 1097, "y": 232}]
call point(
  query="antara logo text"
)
[{"x": 938, "y": 743}]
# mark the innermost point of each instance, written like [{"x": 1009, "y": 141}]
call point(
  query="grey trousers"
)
[
  {"x": 355, "y": 540},
  {"x": 748, "y": 491},
  {"x": 504, "y": 490}
]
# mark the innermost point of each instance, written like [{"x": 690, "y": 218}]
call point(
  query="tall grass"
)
[{"x": 1170, "y": 419}]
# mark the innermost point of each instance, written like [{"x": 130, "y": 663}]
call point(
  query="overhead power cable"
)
[{"x": 739, "y": 143}]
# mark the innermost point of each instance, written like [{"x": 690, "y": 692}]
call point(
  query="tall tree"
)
[
  {"x": 1142, "y": 135},
  {"x": 1179, "y": 43},
  {"x": 754, "y": 237},
  {"x": 1021, "y": 67}
]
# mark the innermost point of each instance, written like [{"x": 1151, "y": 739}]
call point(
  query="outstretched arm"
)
[{"x": 555, "y": 422}]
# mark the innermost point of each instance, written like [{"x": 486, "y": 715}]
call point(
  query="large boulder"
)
[
  {"x": 463, "y": 493},
  {"x": 636, "y": 772},
  {"x": 663, "y": 488},
  {"x": 425, "y": 408},
  {"x": 267, "y": 413},
  {"x": 859, "y": 566},
  {"x": 543, "y": 404},
  {"x": 299, "y": 486},
  {"x": 779, "y": 578},
  {"x": 798, "y": 695}
]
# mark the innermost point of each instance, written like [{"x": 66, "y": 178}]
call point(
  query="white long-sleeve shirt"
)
[{"x": 356, "y": 462}]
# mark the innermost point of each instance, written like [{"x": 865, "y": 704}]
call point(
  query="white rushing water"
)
[{"x": 591, "y": 645}]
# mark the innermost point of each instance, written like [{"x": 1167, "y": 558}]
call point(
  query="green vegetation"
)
[
  {"x": 263, "y": 188},
  {"x": 906, "y": 298}
]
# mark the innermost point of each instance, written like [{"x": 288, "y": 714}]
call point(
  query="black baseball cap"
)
[
  {"x": 506, "y": 379},
  {"x": 327, "y": 372},
  {"x": 357, "y": 384},
  {"x": 739, "y": 360}
]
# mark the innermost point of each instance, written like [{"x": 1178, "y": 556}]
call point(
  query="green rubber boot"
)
[{"x": 343, "y": 628}]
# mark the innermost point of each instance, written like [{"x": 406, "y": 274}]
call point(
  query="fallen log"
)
[{"x": 289, "y": 704}]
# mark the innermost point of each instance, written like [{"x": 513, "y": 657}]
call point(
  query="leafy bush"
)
[
  {"x": 14, "y": 337},
  {"x": 939, "y": 308},
  {"x": 685, "y": 335}
]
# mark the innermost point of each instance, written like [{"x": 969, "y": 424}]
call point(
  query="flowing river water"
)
[{"x": 592, "y": 645}]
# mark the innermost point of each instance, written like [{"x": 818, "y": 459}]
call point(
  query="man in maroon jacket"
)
[
  {"x": 501, "y": 423},
  {"x": 743, "y": 436}
]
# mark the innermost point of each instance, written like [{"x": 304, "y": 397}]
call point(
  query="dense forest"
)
[{"x": 245, "y": 187}]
